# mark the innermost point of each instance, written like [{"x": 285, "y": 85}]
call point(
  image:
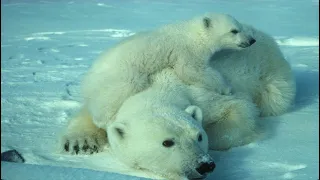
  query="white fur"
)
[
  {"x": 160, "y": 104},
  {"x": 82, "y": 136},
  {"x": 261, "y": 72},
  {"x": 171, "y": 109},
  {"x": 158, "y": 112},
  {"x": 150, "y": 117},
  {"x": 124, "y": 70}
]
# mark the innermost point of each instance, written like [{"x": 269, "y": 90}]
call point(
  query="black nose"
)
[
  {"x": 206, "y": 167},
  {"x": 252, "y": 41}
]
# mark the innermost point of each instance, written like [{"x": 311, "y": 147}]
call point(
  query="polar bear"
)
[
  {"x": 124, "y": 70},
  {"x": 260, "y": 71},
  {"x": 163, "y": 128}
]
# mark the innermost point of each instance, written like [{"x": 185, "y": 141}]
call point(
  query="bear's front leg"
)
[
  {"x": 215, "y": 79},
  {"x": 82, "y": 136}
]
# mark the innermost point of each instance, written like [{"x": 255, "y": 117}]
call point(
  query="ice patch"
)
[
  {"x": 82, "y": 45},
  {"x": 298, "y": 41},
  {"x": 20, "y": 83},
  {"x": 119, "y": 34},
  {"x": 96, "y": 52},
  {"x": 114, "y": 33},
  {"x": 62, "y": 104},
  {"x": 104, "y": 5},
  {"x": 252, "y": 145},
  {"x": 5, "y": 120},
  {"x": 79, "y": 31},
  {"x": 48, "y": 33},
  {"x": 62, "y": 117},
  {"x": 37, "y": 38},
  {"x": 5, "y": 45},
  {"x": 55, "y": 50},
  {"x": 285, "y": 166},
  {"x": 13, "y": 4},
  {"x": 289, "y": 175},
  {"x": 39, "y": 62},
  {"x": 300, "y": 65}
]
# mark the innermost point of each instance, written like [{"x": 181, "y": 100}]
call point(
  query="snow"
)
[
  {"x": 14, "y": 171},
  {"x": 47, "y": 46}
]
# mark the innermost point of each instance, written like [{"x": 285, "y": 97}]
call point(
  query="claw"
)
[
  {"x": 66, "y": 146},
  {"x": 76, "y": 147},
  {"x": 85, "y": 146}
]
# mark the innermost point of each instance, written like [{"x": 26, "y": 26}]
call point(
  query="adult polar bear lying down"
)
[
  {"x": 187, "y": 46},
  {"x": 161, "y": 128}
]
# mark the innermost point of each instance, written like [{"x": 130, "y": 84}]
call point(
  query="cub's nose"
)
[
  {"x": 206, "y": 167},
  {"x": 252, "y": 41}
]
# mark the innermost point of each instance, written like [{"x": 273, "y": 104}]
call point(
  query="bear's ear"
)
[
  {"x": 207, "y": 22},
  {"x": 195, "y": 112}
]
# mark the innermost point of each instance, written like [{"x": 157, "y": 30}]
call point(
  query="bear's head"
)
[
  {"x": 166, "y": 141},
  {"x": 221, "y": 31}
]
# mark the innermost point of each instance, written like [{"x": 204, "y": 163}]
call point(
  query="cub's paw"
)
[{"x": 84, "y": 142}]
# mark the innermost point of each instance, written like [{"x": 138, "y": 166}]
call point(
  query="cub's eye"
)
[
  {"x": 200, "y": 138},
  {"x": 234, "y": 31},
  {"x": 167, "y": 143}
]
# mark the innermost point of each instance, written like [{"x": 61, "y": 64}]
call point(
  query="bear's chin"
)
[{"x": 195, "y": 176}]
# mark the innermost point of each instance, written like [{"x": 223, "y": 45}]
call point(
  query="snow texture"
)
[
  {"x": 47, "y": 46},
  {"x": 14, "y": 171}
]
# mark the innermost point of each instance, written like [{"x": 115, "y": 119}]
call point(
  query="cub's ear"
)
[
  {"x": 207, "y": 22},
  {"x": 195, "y": 113},
  {"x": 117, "y": 131}
]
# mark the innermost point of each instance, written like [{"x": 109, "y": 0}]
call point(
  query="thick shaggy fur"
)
[{"x": 260, "y": 71}]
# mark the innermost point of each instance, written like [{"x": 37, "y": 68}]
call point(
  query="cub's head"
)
[
  {"x": 167, "y": 141},
  {"x": 221, "y": 31}
]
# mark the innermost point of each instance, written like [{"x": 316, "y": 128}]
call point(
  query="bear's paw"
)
[{"x": 84, "y": 142}]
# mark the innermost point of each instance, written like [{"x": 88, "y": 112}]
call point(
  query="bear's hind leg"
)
[
  {"x": 82, "y": 136},
  {"x": 276, "y": 93},
  {"x": 234, "y": 123}
]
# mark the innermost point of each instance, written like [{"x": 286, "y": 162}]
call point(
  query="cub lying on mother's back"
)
[{"x": 185, "y": 47}]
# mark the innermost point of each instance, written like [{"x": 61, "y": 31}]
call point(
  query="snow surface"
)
[
  {"x": 47, "y": 46},
  {"x": 15, "y": 171}
]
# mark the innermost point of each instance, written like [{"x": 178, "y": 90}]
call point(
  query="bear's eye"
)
[
  {"x": 167, "y": 143},
  {"x": 234, "y": 31},
  {"x": 200, "y": 138}
]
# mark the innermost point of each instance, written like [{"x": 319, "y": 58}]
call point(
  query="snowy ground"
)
[{"x": 47, "y": 46}]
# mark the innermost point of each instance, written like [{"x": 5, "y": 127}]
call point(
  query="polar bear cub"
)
[
  {"x": 261, "y": 71},
  {"x": 124, "y": 70}
]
